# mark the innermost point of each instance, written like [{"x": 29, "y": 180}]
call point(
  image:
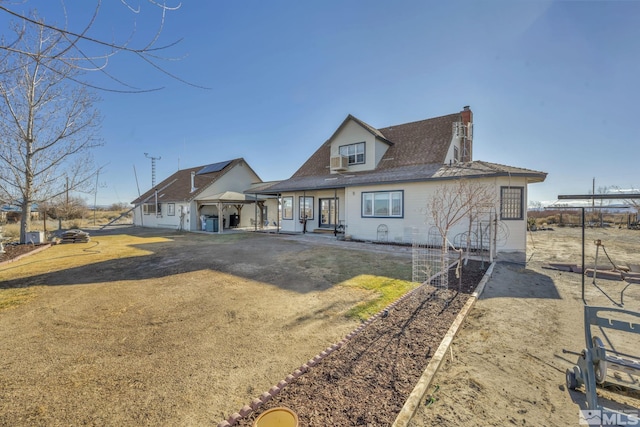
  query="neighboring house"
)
[
  {"x": 13, "y": 212},
  {"x": 203, "y": 198},
  {"x": 375, "y": 184}
]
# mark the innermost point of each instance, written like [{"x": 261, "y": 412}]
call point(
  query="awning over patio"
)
[{"x": 229, "y": 197}]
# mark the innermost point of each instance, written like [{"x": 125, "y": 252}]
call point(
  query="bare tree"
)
[
  {"x": 76, "y": 43},
  {"x": 48, "y": 124},
  {"x": 454, "y": 202}
]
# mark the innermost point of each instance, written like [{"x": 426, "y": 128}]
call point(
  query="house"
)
[
  {"x": 376, "y": 184},
  {"x": 13, "y": 213},
  {"x": 205, "y": 198}
]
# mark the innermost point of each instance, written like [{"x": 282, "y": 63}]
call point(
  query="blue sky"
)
[{"x": 553, "y": 85}]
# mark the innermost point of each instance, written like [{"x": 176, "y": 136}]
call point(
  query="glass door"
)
[{"x": 328, "y": 213}]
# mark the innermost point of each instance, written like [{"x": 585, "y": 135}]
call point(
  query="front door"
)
[{"x": 328, "y": 213}]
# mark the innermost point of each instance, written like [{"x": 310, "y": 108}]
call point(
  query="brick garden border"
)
[{"x": 33, "y": 252}]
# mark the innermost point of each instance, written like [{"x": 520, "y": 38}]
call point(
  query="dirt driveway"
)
[
  {"x": 507, "y": 366},
  {"x": 175, "y": 329}
]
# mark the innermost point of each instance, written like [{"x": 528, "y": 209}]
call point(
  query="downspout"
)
[
  {"x": 279, "y": 213},
  {"x": 156, "y": 195}
]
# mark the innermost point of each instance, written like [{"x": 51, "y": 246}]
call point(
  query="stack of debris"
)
[
  {"x": 75, "y": 236},
  {"x": 630, "y": 274}
]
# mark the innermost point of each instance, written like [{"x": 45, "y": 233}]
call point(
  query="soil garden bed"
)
[
  {"x": 367, "y": 379},
  {"x": 13, "y": 252}
]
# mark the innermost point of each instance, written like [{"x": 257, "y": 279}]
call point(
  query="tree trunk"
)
[{"x": 25, "y": 220}]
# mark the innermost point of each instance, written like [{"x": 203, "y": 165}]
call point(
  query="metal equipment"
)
[{"x": 595, "y": 361}]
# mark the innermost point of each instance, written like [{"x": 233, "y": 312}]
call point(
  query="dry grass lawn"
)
[{"x": 164, "y": 328}]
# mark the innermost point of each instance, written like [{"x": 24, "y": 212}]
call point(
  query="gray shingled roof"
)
[
  {"x": 177, "y": 187},
  {"x": 423, "y": 142},
  {"x": 402, "y": 174},
  {"x": 416, "y": 152}
]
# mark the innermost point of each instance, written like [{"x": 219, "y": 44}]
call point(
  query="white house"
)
[
  {"x": 376, "y": 184},
  {"x": 206, "y": 198}
]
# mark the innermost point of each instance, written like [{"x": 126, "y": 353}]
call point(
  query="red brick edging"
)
[
  {"x": 33, "y": 252},
  {"x": 267, "y": 395}
]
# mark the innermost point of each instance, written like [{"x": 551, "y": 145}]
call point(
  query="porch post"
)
[
  {"x": 303, "y": 214},
  {"x": 255, "y": 212},
  {"x": 220, "y": 219},
  {"x": 335, "y": 213}
]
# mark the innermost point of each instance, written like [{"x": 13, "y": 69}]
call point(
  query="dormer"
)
[{"x": 355, "y": 146}]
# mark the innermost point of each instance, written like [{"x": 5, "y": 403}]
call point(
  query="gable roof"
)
[
  {"x": 177, "y": 187},
  {"x": 417, "y": 152},
  {"x": 422, "y": 142}
]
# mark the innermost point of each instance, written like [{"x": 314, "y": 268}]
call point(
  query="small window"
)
[
  {"x": 383, "y": 204},
  {"x": 306, "y": 208},
  {"x": 171, "y": 209},
  {"x": 149, "y": 208},
  {"x": 287, "y": 208},
  {"x": 511, "y": 202},
  {"x": 456, "y": 154},
  {"x": 354, "y": 152}
]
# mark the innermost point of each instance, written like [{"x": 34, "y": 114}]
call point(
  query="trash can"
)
[
  {"x": 212, "y": 224},
  {"x": 277, "y": 417}
]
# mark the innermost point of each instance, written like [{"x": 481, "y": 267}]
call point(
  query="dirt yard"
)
[
  {"x": 507, "y": 366},
  {"x": 184, "y": 329}
]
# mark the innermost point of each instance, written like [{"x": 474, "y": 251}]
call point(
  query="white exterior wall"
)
[
  {"x": 163, "y": 220},
  {"x": 511, "y": 233},
  {"x": 513, "y": 236},
  {"x": 353, "y": 133},
  {"x": 294, "y": 225}
]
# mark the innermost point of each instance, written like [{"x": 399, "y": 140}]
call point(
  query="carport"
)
[{"x": 226, "y": 199}]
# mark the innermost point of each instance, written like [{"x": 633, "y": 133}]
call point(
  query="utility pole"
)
[{"x": 153, "y": 168}]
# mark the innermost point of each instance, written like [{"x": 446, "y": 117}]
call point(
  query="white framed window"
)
[
  {"x": 383, "y": 204},
  {"x": 354, "y": 152},
  {"x": 149, "y": 209},
  {"x": 287, "y": 207},
  {"x": 511, "y": 203},
  {"x": 306, "y": 208},
  {"x": 456, "y": 154},
  {"x": 171, "y": 209}
]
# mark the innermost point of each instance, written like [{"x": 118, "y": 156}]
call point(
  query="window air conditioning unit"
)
[{"x": 339, "y": 163}]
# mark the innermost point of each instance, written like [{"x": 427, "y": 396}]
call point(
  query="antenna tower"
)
[{"x": 153, "y": 168}]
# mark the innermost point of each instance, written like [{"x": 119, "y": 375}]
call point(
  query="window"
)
[
  {"x": 287, "y": 208},
  {"x": 456, "y": 154},
  {"x": 383, "y": 204},
  {"x": 306, "y": 207},
  {"x": 511, "y": 202},
  {"x": 171, "y": 209},
  {"x": 149, "y": 208},
  {"x": 354, "y": 152}
]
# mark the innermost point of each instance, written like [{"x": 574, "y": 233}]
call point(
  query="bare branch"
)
[{"x": 73, "y": 54}]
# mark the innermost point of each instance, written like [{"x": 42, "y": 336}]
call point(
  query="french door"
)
[{"x": 328, "y": 213}]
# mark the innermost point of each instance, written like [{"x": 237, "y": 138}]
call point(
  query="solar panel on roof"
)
[{"x": 214, "y": 167}]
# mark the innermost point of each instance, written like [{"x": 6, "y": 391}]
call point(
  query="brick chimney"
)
[{"x": 467, "y": 142}]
